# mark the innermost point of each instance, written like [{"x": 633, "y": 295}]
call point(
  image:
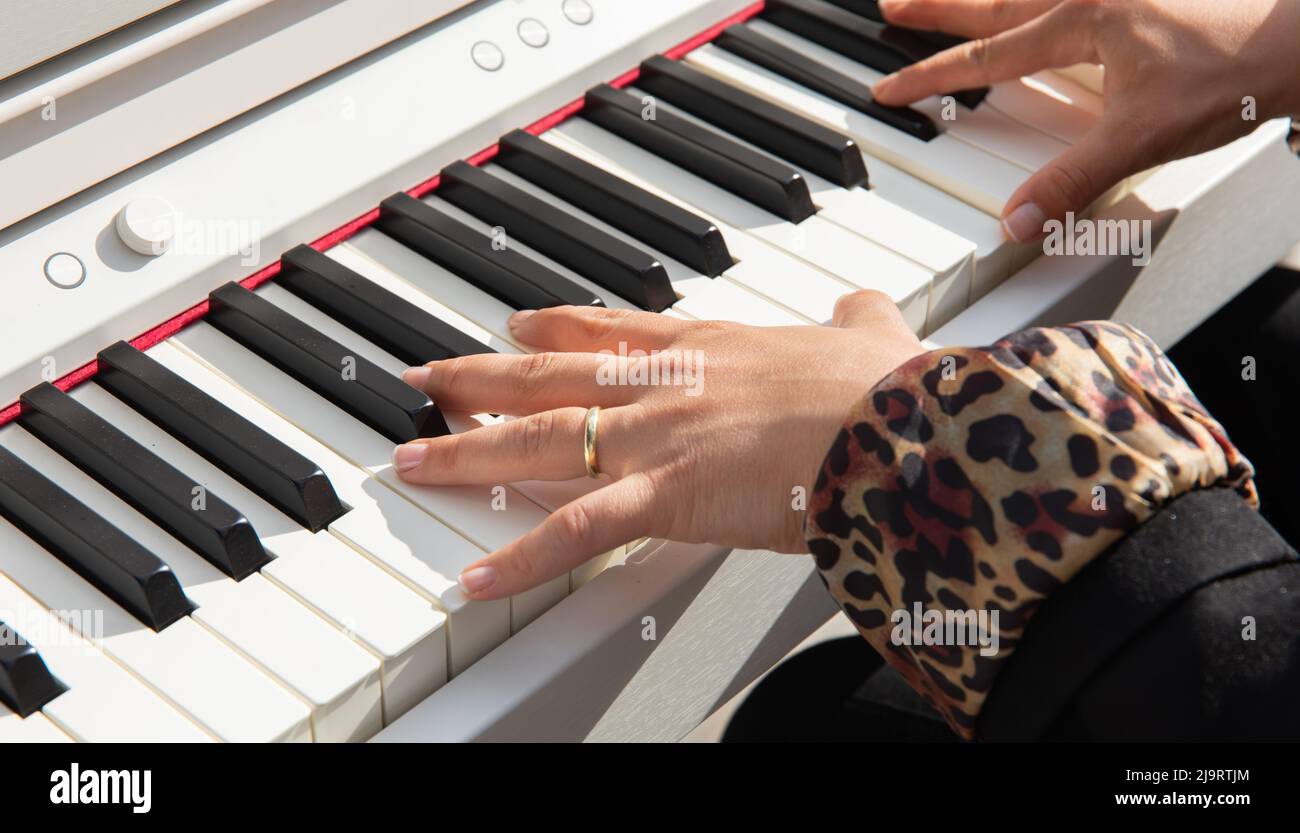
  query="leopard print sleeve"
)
[{"x": 972, "y": 482}]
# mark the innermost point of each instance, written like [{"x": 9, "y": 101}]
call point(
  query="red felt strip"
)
[{"x": 168, "y": 328}]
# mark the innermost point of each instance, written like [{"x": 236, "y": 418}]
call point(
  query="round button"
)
[
  {"x": 533, "y": 32},
  {"x": 66, "y": 271},
  {"x": 487, "y": 55},
  {"x": 578, "y": 11},
  {"x": 147, "y": 225}
]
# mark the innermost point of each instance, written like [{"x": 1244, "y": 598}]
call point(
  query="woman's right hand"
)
[{"x": 1180, "y": 79}]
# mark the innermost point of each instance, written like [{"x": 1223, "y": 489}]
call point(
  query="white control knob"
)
[
  {"x": 578, "y": 12},
  {"x": 487, "y": 55},
  {"x": 147, "y": 225}
]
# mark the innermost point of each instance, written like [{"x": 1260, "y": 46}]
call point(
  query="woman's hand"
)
[
  {"x": 716, "y": 457},
  {"x": 1178, "y": 74}
]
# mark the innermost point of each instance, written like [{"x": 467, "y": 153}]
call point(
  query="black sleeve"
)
[{"x": 1188, "y": 628}]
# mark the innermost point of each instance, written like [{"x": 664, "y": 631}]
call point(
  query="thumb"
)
[
  {"x": 866, "y": 308},
  {"x": 1074, "y": 180}
]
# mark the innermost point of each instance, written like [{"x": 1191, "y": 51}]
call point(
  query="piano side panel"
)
[
  {"x": 1220, "y": 220},
  {"x": 585, "y": 671}
]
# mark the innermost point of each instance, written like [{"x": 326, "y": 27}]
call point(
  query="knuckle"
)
[
  {"x": 450, "y": 371},
  {"x": 521, "y": 564},
  {"x": 1071, "y": 185},
  {"x": 532, "y": 372},
  {"x": 599, "y": 323},
  {"x": 575, "y": 527},
  {"x": 1094, "y": 14},
  {"x": 979, "y": 53},
  {"x": 712, "y": 327},
  {"x": 444, "y": 456},
  {"x": 999, "y": 10},
  {"x": 1091, "y": 7},
  {"x": 536, "y": 433},
  {"x": 862, "y": 297}
]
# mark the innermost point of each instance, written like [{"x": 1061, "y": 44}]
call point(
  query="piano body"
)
[{"x": 201, "y": 537}]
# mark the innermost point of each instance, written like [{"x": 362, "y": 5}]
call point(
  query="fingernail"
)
[
  {"x": 520, "y": 317},
  {"x": 416, "y": 377},
  {"x": 478, "y": 579},
  {"x": 882, "y": 86},
  {"x": 409, "y": 456},
  {"x": 1025, "y": 223}
]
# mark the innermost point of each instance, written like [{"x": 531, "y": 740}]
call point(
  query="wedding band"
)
[{"x": 589, "y": 441}]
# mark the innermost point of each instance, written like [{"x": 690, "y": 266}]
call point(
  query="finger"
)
[
  {"x": 1055, "y": 39},
  {"x": 866, "y": 308},
  {"x": 592, "y": 329},
  {"x": 542, "y": 446},
  {"x": 971, "y": 18},
  {"x": 592, "y": 524},
  {"x": 1111, "y": 152},
  {"x": 518, "y": 384}
]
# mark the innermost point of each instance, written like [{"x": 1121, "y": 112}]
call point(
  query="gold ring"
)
[{"x": 589, "y": 441}]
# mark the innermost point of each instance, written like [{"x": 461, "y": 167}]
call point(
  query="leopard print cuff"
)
[{"x": 978, "y": 480}]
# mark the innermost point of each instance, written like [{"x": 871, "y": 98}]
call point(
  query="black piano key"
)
[
  {"x": 285, "y": 478},
  {"x": 499, "y": 271},
  {"x": 395, "y": 324},
  {"x": 804, "y": 142},
  {"x": 870, "y": 9},
  {"x": 361, "y": 388},
  {"x": 211, "y": 527},
  {"x": 26, "y": 683},
  {"x": 880, "y": 46},
  {"x": 625, "y": 270},
  {"x": 943, "y": 40},
  {"x": 748, "y": 174},
  {"x": 666, "y": 226},
  {"x": 101, "y": 553},
  {"x": 772, "y": 55}
]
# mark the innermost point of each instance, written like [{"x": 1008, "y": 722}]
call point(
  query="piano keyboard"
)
[{"x": 220, "y": 495}]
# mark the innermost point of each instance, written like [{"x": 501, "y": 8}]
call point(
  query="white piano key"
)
[
  {"x": 467, "y": 509},
  {"x": 548, "y": 495},
  {"x": 761, "y": 266},
  {"x": 611, "y": 300},
  {"x": 103, "y": 702},
  {"x": 856, "y": 262},
  {"x": 818, "y": 239},
  {"x": 528, "y": 605},
  {"x": 381, "y": 524},
  {"x": 186, "y": 664},
  {"x": 1062, "y": 87},
  {"x": 949, "y": 258},
  {"x": 378, "y": 256},
  {"x": 358, "y": 262},
  {"x": 700, "y": 296},
  {"x": 35, "y": 728},
  {"x": 1036, "y": 103},
  {"x": 329, "y": 577},
  {"x": 982, "y": 127},
  {"x": 335, "y": 676},
  {"x": 980, "y": 178},
  {"x": 993, "y": 252},
  {"x": 339, "y": 679},
  {"x": 1091, "y": 77},
  {"x": 803, "y": 290}
]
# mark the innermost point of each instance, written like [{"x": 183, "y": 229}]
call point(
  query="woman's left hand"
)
[{"x": 715, "y": 454}]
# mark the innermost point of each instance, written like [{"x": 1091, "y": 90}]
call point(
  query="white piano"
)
[{"x": 201, "y": 538}]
